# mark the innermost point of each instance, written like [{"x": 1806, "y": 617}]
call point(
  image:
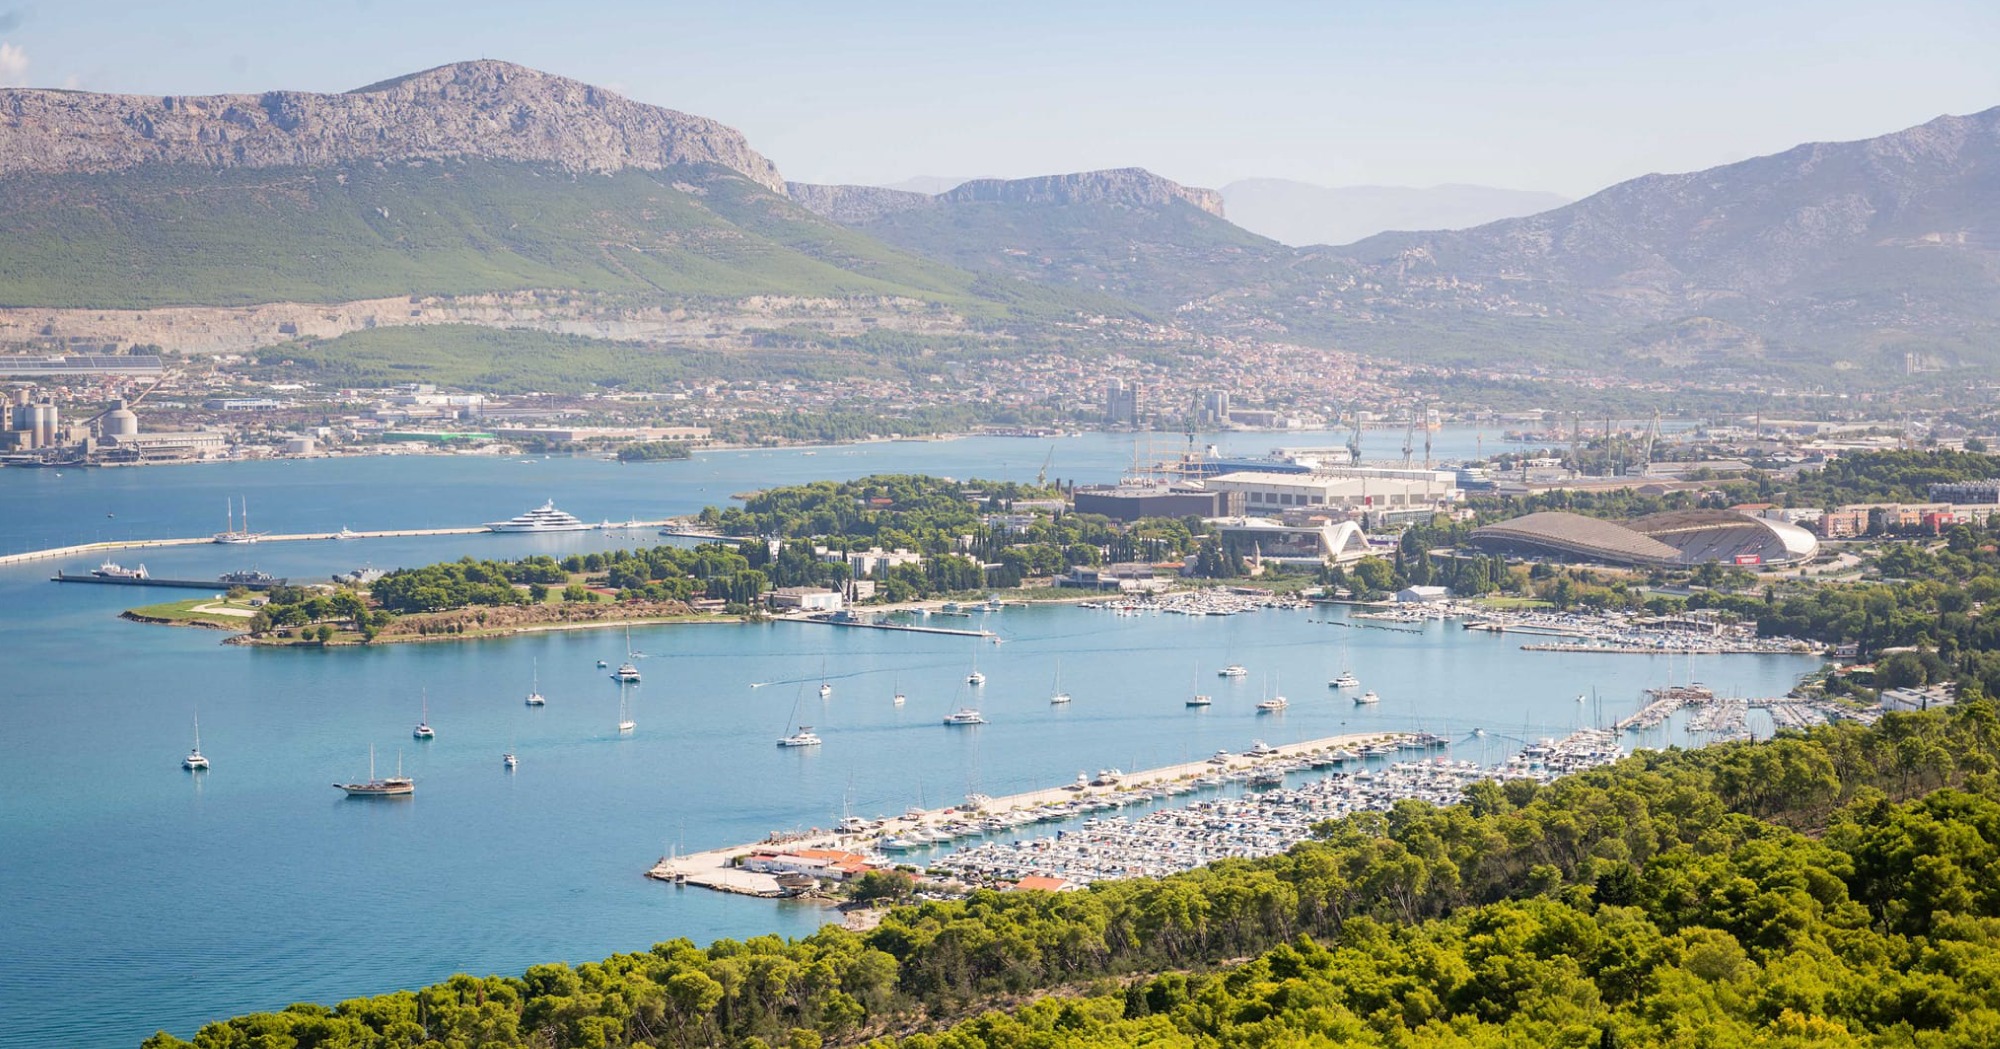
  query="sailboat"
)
[
  {"x": 965, "y": 716},
  {"x": 625, "y": 722},
  {"x": 627, "y": 671},
  {"x": 825, "y": 686},
  {"x": 508, "y": 760},
  {"x": 423, "y": 729},
  {"x": 535, "y": 698},
  {"x": 1274, "y": 704},
  {"x": 900, "y": 698},
  {"x": 196, "y": 761},
  {"x": 975, "y": 679},
  {"x": 1060, "y": 696},
  {"x": 1346, "y": 679},
  {"x": 232, "y": 534},
  {"x": 1198, "y": 699},
  {"x": 395, "y": 786},
  {"x": 803, "y": 737}
]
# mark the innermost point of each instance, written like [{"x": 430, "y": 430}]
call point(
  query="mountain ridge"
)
[
  {"x": 487, "y": 109},
  {"x": 1303, "y": 214}
]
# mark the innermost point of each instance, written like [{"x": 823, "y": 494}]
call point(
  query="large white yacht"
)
[
  {"x": 545, "y": 518},
  {"x": 964, "y": 716}
]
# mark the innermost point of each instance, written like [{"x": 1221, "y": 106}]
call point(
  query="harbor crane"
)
[{"x": 1042, "y": 475}]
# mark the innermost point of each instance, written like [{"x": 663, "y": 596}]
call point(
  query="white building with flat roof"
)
[{"x": 1354, "y": 488}]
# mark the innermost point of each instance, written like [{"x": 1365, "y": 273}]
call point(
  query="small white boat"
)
[
  {"x": 346, "y": 533},
  {"x": 1368, "y": 697},
  {"x": 1345, "y": 680},
  {"x": 964, "y": 716},
  {"x": 195, "y": 761},
  {"x": 625, "y": 722},
  {"x": 1059, "y": 697},
  {"x": 1200, "y": 699},
  {"x": 1273, "y": 705},
  {"x": 825, "y": 690},
  {"x": 1233, "y": 670},
  {"x": 509, "y": 760}
]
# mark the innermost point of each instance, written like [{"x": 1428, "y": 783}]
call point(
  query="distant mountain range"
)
[
  {"x": 484, "y": 178},
  {"x": 1300, "y": 213}
]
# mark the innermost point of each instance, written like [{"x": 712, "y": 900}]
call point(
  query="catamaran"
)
[
  {"x": 423, "y": 729},
  {"x": 535, "y": 697},
  {"x": 627, "y": 671},
  {"x": 1346, "y": 680},
  {"x": 803, "y": 736},
  {"x": 196, "y": 761},
  {"x": 975, "y": 679},
  {"x": 395, "y": 786},
  {"x": 964, "y": 716}
]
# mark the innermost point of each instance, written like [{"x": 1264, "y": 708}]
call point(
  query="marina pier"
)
[
  {"x": 110, "y": 545},
  {"x": 715, "y": 868}
]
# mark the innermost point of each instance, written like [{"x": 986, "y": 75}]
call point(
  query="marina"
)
[{"x": 289, "y": 872}]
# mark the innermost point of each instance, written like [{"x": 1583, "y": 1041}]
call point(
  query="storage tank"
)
[{"x": 120, "y": 421}]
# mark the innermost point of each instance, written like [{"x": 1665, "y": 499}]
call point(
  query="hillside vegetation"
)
[
  {"x": 154, "y": 237},
  {"x": 1838, "y": 888}
]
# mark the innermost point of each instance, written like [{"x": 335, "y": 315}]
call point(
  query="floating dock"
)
[
  {"x": 904, "y": 628},
  {"x": 182, "y": 584}
]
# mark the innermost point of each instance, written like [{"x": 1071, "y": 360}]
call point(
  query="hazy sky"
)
[{"x": 1564, "y": 96}]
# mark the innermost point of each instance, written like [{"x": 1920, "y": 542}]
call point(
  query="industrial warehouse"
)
[{"x": 1671, "y": 539}]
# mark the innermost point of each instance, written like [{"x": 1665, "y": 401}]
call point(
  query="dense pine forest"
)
[{"x": 1834, "y": 888}]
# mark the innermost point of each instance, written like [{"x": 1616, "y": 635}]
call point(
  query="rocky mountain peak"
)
[
  {"x": 467, "y": 110},
  {"x": 1132, "y": 186}
]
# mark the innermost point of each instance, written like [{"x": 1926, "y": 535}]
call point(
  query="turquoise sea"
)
[{"x": 142, "y": 896}]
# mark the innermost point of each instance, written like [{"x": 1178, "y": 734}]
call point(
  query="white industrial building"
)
[
  {"x": 1323, "y": 542},
  {"x": 1358, "y": 489}
]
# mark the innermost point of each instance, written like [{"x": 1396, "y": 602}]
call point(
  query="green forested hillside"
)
[
  {"x": 183, "y": 236},
  {"x": 1840, "y": 888}
]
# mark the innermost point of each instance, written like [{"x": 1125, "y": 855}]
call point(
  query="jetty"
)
[
  {"x": 110, "y": 545},
  {"x": 836, "y": 619},
  {"x": 716, "y": 868}
]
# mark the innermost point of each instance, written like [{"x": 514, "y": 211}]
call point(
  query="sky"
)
[{"x": 1556, "y": 95}]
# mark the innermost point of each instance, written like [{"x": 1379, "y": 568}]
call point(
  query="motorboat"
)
[
  {"x": 1233, "y": 670},
  {"x": 1368, "y": 697},
  {"x": 1261, "y": 749},
  {"x": 1345, "y": 680},
  {"x": 508, "y": 760},
  {"x": 396, "y": 786},
  {"x": 964, "y": 716},
  {"x": 544, "y": 518}
]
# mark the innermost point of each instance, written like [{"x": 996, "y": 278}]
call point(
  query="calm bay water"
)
[{"x": 145, "y": 897}]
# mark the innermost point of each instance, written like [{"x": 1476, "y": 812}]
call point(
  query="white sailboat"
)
[
  {"x": 1059, "y": 697},
  {"x": 230, "y": 532},
  {"x": 627, "y": 671},
  {"x": 423, "y": 729},
  {"x": 803, "y": 735},
  {"x": 900, "y": 698},
  {"x": 975, "y": 679},
  {"x": 196, "y": 761},
  {"x": 625, "y": 722},
  {"x": 1197, "y": 699},
  {"x": 508, "y": 760},
  {"x": 825, "y": 686},
  {"x": 1274, "y": 704},
  {"x": 535, "y": 697}
]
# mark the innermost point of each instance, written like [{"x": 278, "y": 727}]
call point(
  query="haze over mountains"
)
[
  {"x": 501, "y": 195},
  {"x": 1299, "y": 213}
]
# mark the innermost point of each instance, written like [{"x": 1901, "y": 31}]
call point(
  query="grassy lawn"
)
[{"x": 185, "y": 613}]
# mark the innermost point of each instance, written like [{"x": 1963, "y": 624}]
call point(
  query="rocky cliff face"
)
[
  {"x": 1130, "y": 187},
  {"x": 1133, "y": 186},
  {"x": 854, "y": 205},
  {"x": 486, "y": 109}
]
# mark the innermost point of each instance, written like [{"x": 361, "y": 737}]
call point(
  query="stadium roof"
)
[
  {"x": 1584, "y": 536},
  {"x": 1676, "y": 537}
]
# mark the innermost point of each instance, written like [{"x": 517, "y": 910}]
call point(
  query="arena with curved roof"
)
[{"x": 1672, "y": 539}]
